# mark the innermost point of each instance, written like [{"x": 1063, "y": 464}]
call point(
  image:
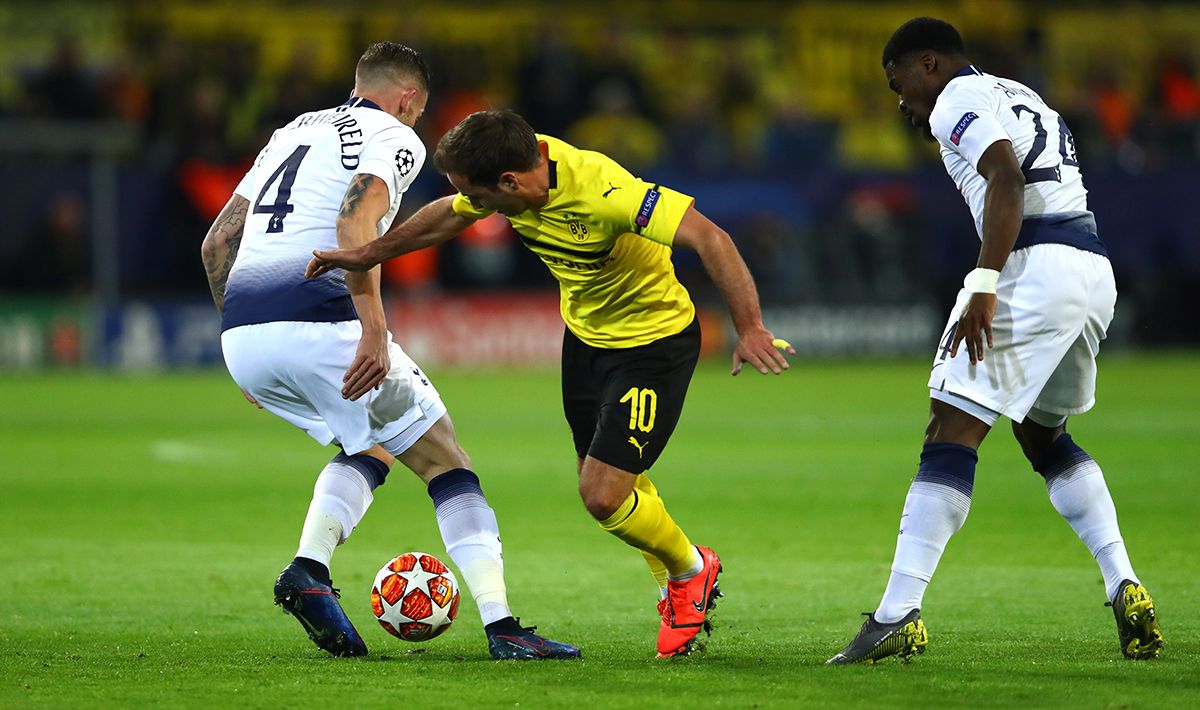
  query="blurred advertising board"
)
[
  {"x": 149, "y": 335},
  {"x": 858, "y": 331},
  {"x": 37, "y": 333},
  {"x": 500, "y": 329},
  {"x": 487, "y": 329}
]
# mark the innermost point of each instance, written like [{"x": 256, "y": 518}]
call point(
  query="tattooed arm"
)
[
  {"x": 365, "y": 203},
  {"x": 433, "y": 224},
  {"x": 220, "y": 247}
]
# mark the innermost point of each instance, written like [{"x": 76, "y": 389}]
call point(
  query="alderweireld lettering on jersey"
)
[{"x": 296, "y": 187}]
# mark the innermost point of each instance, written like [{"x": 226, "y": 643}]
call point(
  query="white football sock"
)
[
  {"x": 341, "y": 497},
  {"x": 696, "y": 568},
  {"x": 472, "y": 538},
  {"x": 933, "y": 512},
  {"x": 1080, "y": 495}
]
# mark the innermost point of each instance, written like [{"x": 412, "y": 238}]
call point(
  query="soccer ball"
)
[{"x": 415, "y": 597}]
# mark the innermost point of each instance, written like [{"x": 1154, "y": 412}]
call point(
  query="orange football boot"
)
[{"x": 685, "y": 610}]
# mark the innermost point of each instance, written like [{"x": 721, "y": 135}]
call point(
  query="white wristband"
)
[{"x": 981, "y": 281}]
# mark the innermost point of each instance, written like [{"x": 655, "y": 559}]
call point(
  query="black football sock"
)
[{"x": 316, "y": 569}]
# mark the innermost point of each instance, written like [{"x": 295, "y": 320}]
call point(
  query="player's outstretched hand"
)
[
  {"x": 762, "y": 350},
  {"x": 370, "y": 366},
  {"x": 349, "y": 259},
  {"x": 975, "y": 323}
]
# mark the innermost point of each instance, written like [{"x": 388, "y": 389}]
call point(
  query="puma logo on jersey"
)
[
  {"x": 611, "y": 187},
  {"x": 637, "y": 446}
]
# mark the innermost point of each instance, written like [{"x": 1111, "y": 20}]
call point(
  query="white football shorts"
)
[
  {"x": 295, "y": 369},
  {"x": 1053, "y": 307}
]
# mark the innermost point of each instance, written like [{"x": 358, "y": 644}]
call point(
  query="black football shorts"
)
[{"x": 623, "y": 403}]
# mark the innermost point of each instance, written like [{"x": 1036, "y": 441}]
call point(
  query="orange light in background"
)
[
  {"x": 208, "y": 186},
  {"x": 415, "y": 270},
  {"x": 490, "y": 232}
]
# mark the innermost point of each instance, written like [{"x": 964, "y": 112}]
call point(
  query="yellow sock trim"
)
[
  {"x": 643, "y": 484},
  {"x": 620, "y": 513},
  {"x": 642, "y": 521}
]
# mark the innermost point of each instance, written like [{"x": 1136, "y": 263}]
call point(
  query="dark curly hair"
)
[{"x": 923, "y": 34}]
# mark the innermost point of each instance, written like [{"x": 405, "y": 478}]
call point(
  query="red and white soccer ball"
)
[{"x": 415, "y": 597}]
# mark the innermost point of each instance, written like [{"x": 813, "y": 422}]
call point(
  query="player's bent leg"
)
[
  {"x": 435, "y": 452},
  {"x": 467, "y": 523},
  {"x": 341, "y": 496},
  {"x": 604, "y": 488},
  {"x": 637, "y": 518},
  {"x": 658, "y": 570},
  {"x": 957, "y": 420},
  {"x": 1078, "y": 492},
  {"x": 640, "y": 519},
  {"x": 471, "y": 535},
  {"x": 935, "y": 508}
]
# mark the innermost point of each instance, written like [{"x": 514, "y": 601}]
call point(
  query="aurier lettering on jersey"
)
[
  {"x": 977, "y": 109},
  {"x": 295, "y": 189}
]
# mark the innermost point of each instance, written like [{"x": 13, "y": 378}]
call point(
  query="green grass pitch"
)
[{"x": 143, "y": 520}]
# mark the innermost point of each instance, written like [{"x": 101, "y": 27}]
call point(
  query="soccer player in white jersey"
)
[
  {"x": 1029, "y": 319},
  {"x": 317, "y": 353}
]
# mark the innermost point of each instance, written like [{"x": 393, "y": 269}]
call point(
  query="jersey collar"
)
[
  {"x": 360, "y": 102},
  {"x": 969, "y": 70},
  {"x": 551, "y": 175}
]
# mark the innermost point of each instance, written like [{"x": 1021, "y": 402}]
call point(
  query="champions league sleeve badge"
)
[{"x": 405, "y": 161}]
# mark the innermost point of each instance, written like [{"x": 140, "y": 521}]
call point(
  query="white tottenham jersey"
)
[
  {"x": 295, "y": 189},
  {"x": 974, "y": 111}
]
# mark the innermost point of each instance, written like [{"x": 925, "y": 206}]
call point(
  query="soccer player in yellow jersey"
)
[{"x": 632, "y": 339}]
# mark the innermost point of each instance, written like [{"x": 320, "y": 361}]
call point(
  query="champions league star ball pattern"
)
[
  {"x": 405, "y": 160},
  {"x": 415, "y": 597}
]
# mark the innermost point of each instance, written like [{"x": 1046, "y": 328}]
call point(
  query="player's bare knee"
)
[
  {"x": 603, "y": 488},
  {"x": 1019, "y": 435},
  {"x": 378, "y": 452},
  {"x": 601, "y": 501},
  {"x": 1036, "y": 439},
  {"x": 950, "y": 425},
  {"x": 429, "y": 469},
  {"x": 434, "y": 467}
]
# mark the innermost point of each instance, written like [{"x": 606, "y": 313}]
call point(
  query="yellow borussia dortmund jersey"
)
[{"x": 606, "y": 236}]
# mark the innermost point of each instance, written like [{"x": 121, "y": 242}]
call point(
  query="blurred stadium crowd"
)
[{"x": 778, "y": 120}]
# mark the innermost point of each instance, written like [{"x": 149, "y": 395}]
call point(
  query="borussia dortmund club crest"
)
[{"x": 405, "y": 161}]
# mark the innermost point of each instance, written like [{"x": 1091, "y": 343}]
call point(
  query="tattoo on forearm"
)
[
  {"x": 354, "y": 194},
  {"x": 221, "y": 247}
]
